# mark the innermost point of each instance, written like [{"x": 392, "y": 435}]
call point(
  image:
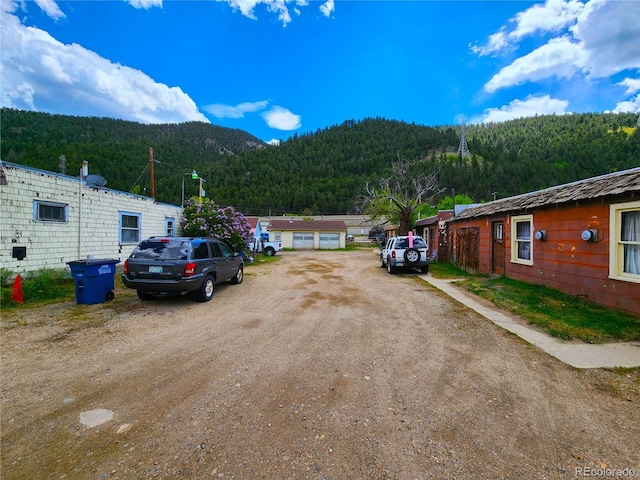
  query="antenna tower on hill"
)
[{"x": 463, "y": 150}]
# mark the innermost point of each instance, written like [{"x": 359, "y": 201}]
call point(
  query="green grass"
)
[
  {"x": 41, "y": 287},
  {"x": 560, "y": 315},
  {"x": 446, "y": 270}
]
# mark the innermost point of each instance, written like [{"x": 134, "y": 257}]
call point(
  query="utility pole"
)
[{"x": 152, "y": 173}]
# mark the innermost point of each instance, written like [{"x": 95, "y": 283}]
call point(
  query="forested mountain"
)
[
  {"x": 119, "y": 150},
  {"x": 324, "y": 171}
]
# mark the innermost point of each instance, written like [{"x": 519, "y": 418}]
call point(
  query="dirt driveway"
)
[{"x": 318, "y": 366}]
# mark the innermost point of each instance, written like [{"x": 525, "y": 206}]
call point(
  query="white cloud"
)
[
  {"x": 41, "y": 73},
  {"x": 21, "y": 94},
  {"x": 280, "y": 7},
  {"x": 145, "y": 4},
  {"x": 51, "y": 9},
  {"x": 328, "y": 7},
  {"x": 609, "y": 33},
  {"x": 632, "y": 105},
  {"x": 497, "y": 42},
  {"x": 632, "y": 84},
  {"x": 552, "y": 16},
  {"x": 560, "y": 58},
  {"x": 282, "y": 119},
  {"x": 530, "y": 107},
  {"x": 602, "y": 42},
  {"x": 247, "y": 7},
  {"x": 220, "y": 110}
]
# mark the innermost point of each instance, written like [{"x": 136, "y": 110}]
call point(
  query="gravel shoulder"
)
[{"x": 318, "y": 366}]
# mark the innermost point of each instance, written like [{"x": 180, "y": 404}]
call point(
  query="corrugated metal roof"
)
[
  {"x": 308, "y": 225},
  {"x": 606, "y": 185}
]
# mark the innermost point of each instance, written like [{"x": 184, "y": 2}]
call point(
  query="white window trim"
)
[
  {"x": 616, "y": 249},
  {"x": 36, "y": 211},
  {"x": 173, "y": 226},
  {"x": 514, "y": 243},
  {"x": 120, "y": 227}
]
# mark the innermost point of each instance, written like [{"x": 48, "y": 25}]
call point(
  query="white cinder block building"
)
[{"x": 48, "y": 219}]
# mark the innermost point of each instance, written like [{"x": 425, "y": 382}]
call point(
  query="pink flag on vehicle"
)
[{"x": 410, "y": 239}]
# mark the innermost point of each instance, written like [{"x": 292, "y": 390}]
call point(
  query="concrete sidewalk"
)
[{"x": 580, "y": 355}]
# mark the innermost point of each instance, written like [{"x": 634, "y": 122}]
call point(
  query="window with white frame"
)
[
  {"x": 624, "y": 242},
  {"x": 130, "y": 227},
  {"x": 170, "y": 224},
  {"x": 50, "y": 211},
  {"x": 522, "y": 239}
]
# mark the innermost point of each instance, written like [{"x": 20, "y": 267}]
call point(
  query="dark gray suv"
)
[{"x": 174, "y": 265}]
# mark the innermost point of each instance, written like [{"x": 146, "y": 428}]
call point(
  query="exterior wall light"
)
[
  {"x": 590, "y": 235},
  {"x": 541, "y": 235}
]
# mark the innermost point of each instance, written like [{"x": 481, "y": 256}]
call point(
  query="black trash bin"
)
[{"x": 94, "y": 278}]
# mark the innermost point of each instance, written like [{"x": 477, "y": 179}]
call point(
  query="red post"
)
[{"x": 16, "y": 291}]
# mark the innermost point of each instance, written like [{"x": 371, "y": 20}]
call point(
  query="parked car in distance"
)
[
  {"x": 265, "y": 246},
  {"x": 350, "y": 238},
  {"x": 175, "y": 265},
  {"x": 378, "y": 238},
  {"x": 397, "y": 253}
]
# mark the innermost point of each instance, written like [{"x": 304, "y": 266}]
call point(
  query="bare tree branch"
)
[{"x": 400, "y": 194}]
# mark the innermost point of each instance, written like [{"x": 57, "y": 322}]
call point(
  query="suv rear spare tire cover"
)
[{"x": 411, "y": 256}]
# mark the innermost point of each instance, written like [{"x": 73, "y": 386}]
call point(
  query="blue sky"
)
[{"x": 277, "y": 67}]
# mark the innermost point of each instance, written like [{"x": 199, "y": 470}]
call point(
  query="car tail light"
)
[
  {"x": 126, "y": 267},
  {"x": 393, "y": 254},
  {"x": 189, "y": 269}
]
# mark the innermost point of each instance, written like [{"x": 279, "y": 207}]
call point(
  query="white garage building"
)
[{"x": 308, "y": 234}]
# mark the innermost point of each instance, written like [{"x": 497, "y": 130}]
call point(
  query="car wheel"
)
[
  {"x": 145, "y": 295},
  {"x": 269, "y": 251},
  {"x": 205, "y": 292},
  {"x": 411, "y": 256},
  {"x": 425, "y": 269},
  {"x": 382, "y": 265},
  {"x": 390, "y": 268},
  {"x": 237, "y": 278}
]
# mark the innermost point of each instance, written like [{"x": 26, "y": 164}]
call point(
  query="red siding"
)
[{"x": 564, "y": 261}]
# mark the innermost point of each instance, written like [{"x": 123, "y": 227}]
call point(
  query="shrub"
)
[{"x": 210, "y": 220}]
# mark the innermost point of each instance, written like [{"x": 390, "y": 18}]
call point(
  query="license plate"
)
[{"x": 153, "y": 269}]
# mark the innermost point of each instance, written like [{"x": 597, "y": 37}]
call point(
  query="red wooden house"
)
[
  {"x": 434, "y": 231},
  {"x": 582, "y": 238}
]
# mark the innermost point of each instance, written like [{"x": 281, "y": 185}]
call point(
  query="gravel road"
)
[{"x": 319, "y": 366}]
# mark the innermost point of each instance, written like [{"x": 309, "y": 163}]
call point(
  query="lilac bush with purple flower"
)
[{"x": 211, "y": 220}]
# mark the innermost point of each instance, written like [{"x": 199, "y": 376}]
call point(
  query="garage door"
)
[
  {"x": 329, "y": 240},
  {"x": 303, "y": 240}
]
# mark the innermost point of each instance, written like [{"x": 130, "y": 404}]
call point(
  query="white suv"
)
[{"x": 397, "y": 253}]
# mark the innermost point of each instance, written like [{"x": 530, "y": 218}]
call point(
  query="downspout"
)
[
  {"x": 84, "y": 171},
  {"x": 80, "y": 215}
]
